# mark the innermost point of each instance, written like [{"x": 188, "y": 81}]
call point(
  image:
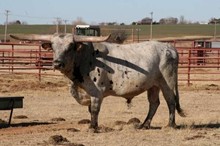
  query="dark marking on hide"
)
[
  {"x": 90, "y": 63},
  {"x": 94, "y": 79},
  {"x": 104, "y": 66},
  {"x": 122, "y": 83},
  {"x": 128, "y": 101},
  {"x": 137, "y": 86},
  {"x": 77, "y": 74},
  {"x": 111, "y": 82},
  {"x": 126, "y": 72},
  {"x": 62, "y": 35},
  {"x": 98, "y": 70},
  {"x": 102, "y": 83},
  {"x": 73, "y": 45},
  {"x": 169, "y": 57},
  {"x": 168, "y": 53},
  {"x": 97, "y": 52}
]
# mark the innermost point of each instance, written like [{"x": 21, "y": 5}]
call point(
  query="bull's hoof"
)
[
  {"x": 93, "y": 130},
  {"x": 143, "y": 126},
  {"x": 171, "y": 126}
]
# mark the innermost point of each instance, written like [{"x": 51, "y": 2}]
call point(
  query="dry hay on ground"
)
[{"x": 52, "y": 117}]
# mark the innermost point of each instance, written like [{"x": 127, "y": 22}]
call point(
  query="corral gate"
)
[{"x": 195, "y": 64}]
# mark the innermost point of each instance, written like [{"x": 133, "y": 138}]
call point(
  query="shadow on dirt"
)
[
  {"x": 200, "y": 126},
  {"x": 5, "y": 125}
]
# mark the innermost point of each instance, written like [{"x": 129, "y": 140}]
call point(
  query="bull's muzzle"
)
[{"x": 57, "y": 64}]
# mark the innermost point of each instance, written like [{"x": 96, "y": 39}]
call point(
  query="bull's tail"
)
[{"x": 178, "y": 108}]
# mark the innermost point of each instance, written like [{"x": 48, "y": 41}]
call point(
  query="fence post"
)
[
  {"x": 189, "y": 63},
  {"x": 12, "y": 56},
  {"x": 218, "y": 58},
  {"x": 132, "y": 33},
  {"x": 3, "y": 56},
  {"x": 31, "y": 57},
  {"x": 39, "y": 65},
  {"x": 188, "y": 78}
]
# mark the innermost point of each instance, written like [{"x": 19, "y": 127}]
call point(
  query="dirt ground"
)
[{"x": 50, "y": 116}]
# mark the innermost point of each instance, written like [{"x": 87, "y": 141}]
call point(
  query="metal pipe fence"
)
[
  {"x": 195, "y": 64},
  {"x": 24, "y": 58},
  {"x": 198, "y": 64}
]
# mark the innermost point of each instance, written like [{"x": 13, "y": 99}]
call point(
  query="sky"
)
[{"x": 97, "y": 11}]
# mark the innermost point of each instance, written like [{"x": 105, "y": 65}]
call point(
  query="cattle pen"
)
[
  {"x": 24, "y": 58},
  {"x": 196, "y": 63}
]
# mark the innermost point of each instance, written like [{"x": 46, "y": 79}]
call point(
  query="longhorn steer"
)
[{"x": 98, "y": 69}]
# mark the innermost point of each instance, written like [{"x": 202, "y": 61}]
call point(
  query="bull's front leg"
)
[{"x": 94, "y": 111}]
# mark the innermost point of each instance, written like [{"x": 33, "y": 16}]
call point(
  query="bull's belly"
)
[{"x": 131, "y": 88}]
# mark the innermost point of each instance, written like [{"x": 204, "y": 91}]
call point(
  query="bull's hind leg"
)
[
  {"x": 169, "y": 96},
  {"x": 154, "y": 102}
]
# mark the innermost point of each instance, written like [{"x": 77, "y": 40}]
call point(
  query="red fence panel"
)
[
  {"x": 199, "y": 64},
  {"x": 195, "y": 64},
  {"x": 24, "y": 58}
]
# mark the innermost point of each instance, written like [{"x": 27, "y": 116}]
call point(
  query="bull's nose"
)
[{"x": 58, "y": 64}]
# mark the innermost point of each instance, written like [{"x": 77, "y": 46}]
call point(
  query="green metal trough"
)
[{"x": 9, "y": 103}]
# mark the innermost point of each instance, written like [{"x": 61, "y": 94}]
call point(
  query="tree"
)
[
  {"x": 182, "y": 20},
  {"x": 214, "y": 20},
  {"x": 169, "y": 20},
  {"x": 145, "y": 21},
  {"x": 134, "y": 23},
  {"x": 112, "y": 23}
]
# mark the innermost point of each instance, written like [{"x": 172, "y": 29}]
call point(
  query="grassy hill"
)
[{"x": 159, "y": 31}]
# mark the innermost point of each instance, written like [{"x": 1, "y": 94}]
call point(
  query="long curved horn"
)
[
  {"x": 44, "y": 38},
  {"x": 80, "y": 38}
]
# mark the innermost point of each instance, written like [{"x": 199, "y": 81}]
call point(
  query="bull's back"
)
[{"x": 135, "y": 68}]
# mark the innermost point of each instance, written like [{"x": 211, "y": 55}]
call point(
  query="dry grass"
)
[{"x": 47, "y": 102}]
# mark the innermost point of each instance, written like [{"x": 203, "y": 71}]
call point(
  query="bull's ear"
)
[{"x": 47, "y": 46}]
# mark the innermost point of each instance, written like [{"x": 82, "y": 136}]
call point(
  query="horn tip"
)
[
  {"x": 108, "y": 36},
  {"x": 12, "y": 36}
]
